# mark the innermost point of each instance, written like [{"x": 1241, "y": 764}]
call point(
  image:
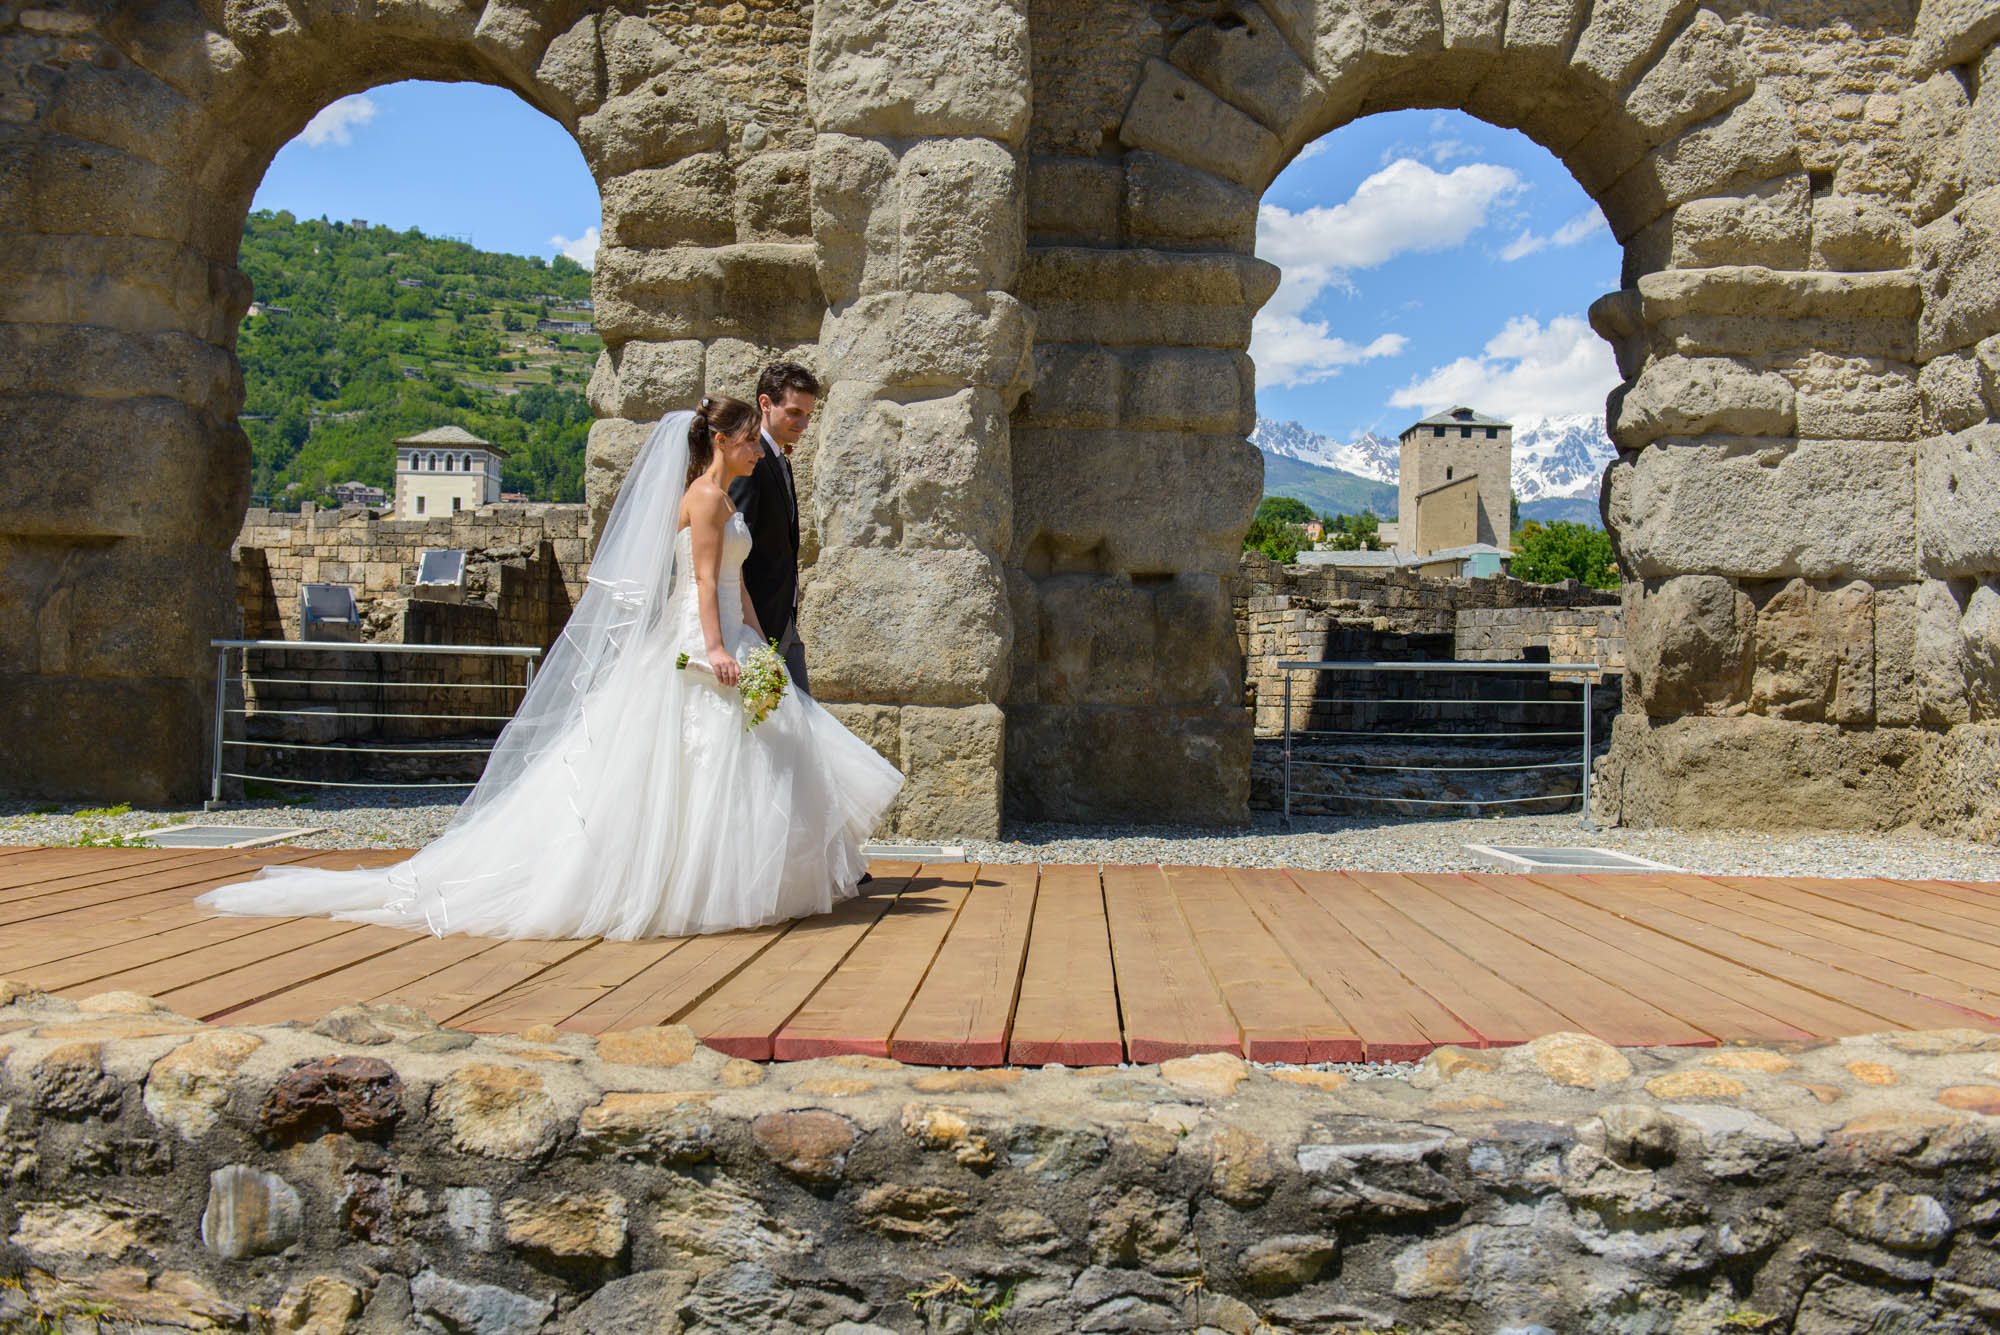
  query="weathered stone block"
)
[
  {"x": 1064, "y": 520},
  {"x": 1754, "y": 141},
  {"x": 607, "y": 457},
  {"x": 687, "y": 204},
  {"x": 1128, "y": 298},
  {"x": 1174, "y": 116},
  {"x": 1687, "y": 647},
  {"x": 570, "y": 76},
  {"x": 1106, "y": 639},
  {"x": 1696, "y": 395},
  {"x": 919, "y": 339},
  {"x": 1763, "y": 509},
  {"x": 1092, "y": 764},
  {"x": 1815, "y": 653},
  {"x": 1940, "y": 654},
  {"x": 855, "y": 224},
  {"x": 932, "y": 473},
  {"x": 646, "y": 381},
  {"x": 1961, "y": 276},
  {"x": 1854, "y": 398},
  {"x": 654, "y": 124},
  {"x": 1072, "y": 200},
  {"x": 178, "y": 479},
  {"x": 773, "y": 197},
  {"x": 953, "y": 758},
  {"x": 1857, "y": 232},
  {"x": 249, "y": 1213},
  {"x": 1177, "y": 207},
  {"x": 961, "y": 207},
  {"x": 918, "y": 627},
  {"x": 112, "y": 610},
  {"x": 1769, "y": 224},
  {"x": 1248, "y": 61},
  {"x": 1621, "y": 38},
  {"x": 1703, "y": 71},
  {"x": 1958, "y": 521},
  {"x": 765, "y": 290},
  {"x": 920, "y": 67}
]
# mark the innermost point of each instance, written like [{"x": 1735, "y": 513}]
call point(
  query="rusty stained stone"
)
[
  {"x": 811, "y": 1145},
  {"x": 1327, "y": 1081},
  {"x": 1694, "y": 1085},
  {"x": 1984, "y": 1099},
  {"x": 832, "y": 1087},
  {"x": 1873, "y": 1073},
  {"x": 1748, "y": 1059},
  {"x": 355, "y": 1096},
  {"x": 964, "y": 1082}
]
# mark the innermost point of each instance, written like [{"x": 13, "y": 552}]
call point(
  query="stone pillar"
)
[{"x": 920, "y": 108}]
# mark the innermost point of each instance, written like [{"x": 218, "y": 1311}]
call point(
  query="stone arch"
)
[
  {"x": 1756, "y": 321},
  {"x": 148, "y": 132}
]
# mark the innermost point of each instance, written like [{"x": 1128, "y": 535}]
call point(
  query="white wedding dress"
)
[{"x": 628, "y": 799}]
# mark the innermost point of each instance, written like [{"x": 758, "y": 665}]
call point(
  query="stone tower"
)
[{"x": 1449, "y": 450}]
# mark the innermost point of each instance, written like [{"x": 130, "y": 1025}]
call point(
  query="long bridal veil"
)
[{"x": 557, "y": 824}]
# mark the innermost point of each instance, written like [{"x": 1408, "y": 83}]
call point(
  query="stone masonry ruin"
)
[{"x": 1015, "y": 236}]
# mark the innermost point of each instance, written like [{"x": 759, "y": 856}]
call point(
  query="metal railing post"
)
[
  {"x": 1586, "y": 752},
  {"x": 221, "y": 705},
  {"x": 1288, "y": 746}
]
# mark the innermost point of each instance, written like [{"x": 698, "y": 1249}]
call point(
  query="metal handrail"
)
[
  {"x": 1587, "y": 673},
  {"x": 528, "y": 654}
]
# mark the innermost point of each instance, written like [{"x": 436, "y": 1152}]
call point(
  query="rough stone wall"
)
[
  {"x": 276, "y": 552},
  {"x": 380, "y": 1176},
  {"x": 1808, "y": 288},
  {"x": 938, "y": 202}
]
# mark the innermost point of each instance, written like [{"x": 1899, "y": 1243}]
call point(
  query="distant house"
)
[
  {"x": 565, "y": 327},
  {"x": 445, "y": 470},
  {"x": 1472, "y": 561},
  {"x": 359, "y": 224},
  {"x": 357, "y": 493},
  {"x": 1315, "y": 530},
  {"x": 409, "y": 282}
]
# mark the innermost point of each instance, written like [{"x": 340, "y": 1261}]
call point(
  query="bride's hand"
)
[{"x": 727, "y": 671}]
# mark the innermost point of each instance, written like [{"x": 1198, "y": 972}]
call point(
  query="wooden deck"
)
[{"x": 963, "y": 965}]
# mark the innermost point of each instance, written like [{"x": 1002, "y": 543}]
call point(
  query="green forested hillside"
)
[
  {"x": 379, "y": 334},
  {"x": 1328, "y": 490}
]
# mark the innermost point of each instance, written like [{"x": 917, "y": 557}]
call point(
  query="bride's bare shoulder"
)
[{"x": 705, "y": 505}]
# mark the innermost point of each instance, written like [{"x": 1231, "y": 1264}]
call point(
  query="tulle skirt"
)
[{"x": 656, "y": 814}]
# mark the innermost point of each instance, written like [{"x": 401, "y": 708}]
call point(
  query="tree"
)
[
  {"x": 1356, "y": 533},
  {"x": 1513, "y": 511},
  {"x": 1279, "y": 541},
  {"x": 1285, "y": 510},
  {"x": 1560, "y": 550}
]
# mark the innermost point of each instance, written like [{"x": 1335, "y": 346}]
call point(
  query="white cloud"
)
[
  {"x": 1312, "y": 150},
  {"x": 582, "y": 249},
  {"x": 1578, "y": 229},
  {"x": 1526, "y": 370},
  {"x": 1405, "y": 208},
  {"x": 1290, "y": 351},
  {"x": 337, "y": 122}
]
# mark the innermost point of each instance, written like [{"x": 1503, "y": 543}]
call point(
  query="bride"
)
[{"x": 628, "y": 797}]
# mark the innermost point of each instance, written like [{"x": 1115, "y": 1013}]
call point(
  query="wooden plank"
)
[
  {"x": 373, "y": 979},
  {"x": 1279, "y": 1017},
  {"x": 1547, "y": 918},
  {"x": 116, "y": 923},
  {"x": 1169, "y": 1005},
  {"x": 159, "y": 862},
  {"x": 1786, "y": 1002},
  {"x": 1610, "y": 1011},
  {"x": 457, "y": 988},
  {"x": 61, "y": 863},
  {"x": 857, "y": 1008},
  {"x": 1927, "y": 952},
  {"x": 553, "y": 996},
  {"x": 667, "y": 990},
  {"x": 70, "y": 893},
  {"x": 1068, "y": 1009},
  {"x": 962, "y": 1010},
  {"x": 260, "y": 944},
  {"x": 1938, "y": 910},
  {"x": 1651, "y": 900},
  {"x": 258, "y": 979},
  {"x": 744, "y": 1015},
  {"x": 1497, "y": 1011},
  {"x": 1394, "y": 1019}
]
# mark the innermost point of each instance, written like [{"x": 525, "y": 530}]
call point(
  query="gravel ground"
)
[{"x": 411, "y": 819}]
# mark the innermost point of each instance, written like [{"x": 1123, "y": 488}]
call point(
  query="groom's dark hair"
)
[{"x": 781, "y": 378}]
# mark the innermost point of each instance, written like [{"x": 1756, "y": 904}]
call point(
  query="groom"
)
[{"x": 787, "y": 393}]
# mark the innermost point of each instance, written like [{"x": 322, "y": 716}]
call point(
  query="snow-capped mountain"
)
[
  {"x": 1371, "y": 456},
  {"x": 1554, "y": 457},
  {"x": 1560, "y": 456}
]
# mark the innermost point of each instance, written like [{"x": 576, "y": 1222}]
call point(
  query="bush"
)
[{"x": 1551, "y": 553}]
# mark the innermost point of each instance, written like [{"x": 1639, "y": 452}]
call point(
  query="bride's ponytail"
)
[{"x": 718, "y": 414}]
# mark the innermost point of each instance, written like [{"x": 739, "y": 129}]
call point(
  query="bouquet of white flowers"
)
[{"x": 761, "y": 686}]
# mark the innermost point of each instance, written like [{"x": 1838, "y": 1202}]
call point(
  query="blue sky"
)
[{"x": 1429, "y": 258}]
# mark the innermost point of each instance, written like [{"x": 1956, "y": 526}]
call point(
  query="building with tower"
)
[
  {"x": 1455, "y": 483},
  {"x": 445, "y": 470}
]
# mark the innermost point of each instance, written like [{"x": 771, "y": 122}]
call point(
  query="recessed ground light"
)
[
  {"x": 1571, "y": 861},
  {"x": 914, "y": 852},
  {"x": 227, "y": 836}
]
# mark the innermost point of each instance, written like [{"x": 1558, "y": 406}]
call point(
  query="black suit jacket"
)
[{"x": 771, "y": 571}]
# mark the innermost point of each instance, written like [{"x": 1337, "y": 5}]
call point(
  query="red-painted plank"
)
[
  {"x": 1169, "y": 1004},
  {"x": 960, "y": 1014},
  {"x": 1068, "y": 1011}
]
